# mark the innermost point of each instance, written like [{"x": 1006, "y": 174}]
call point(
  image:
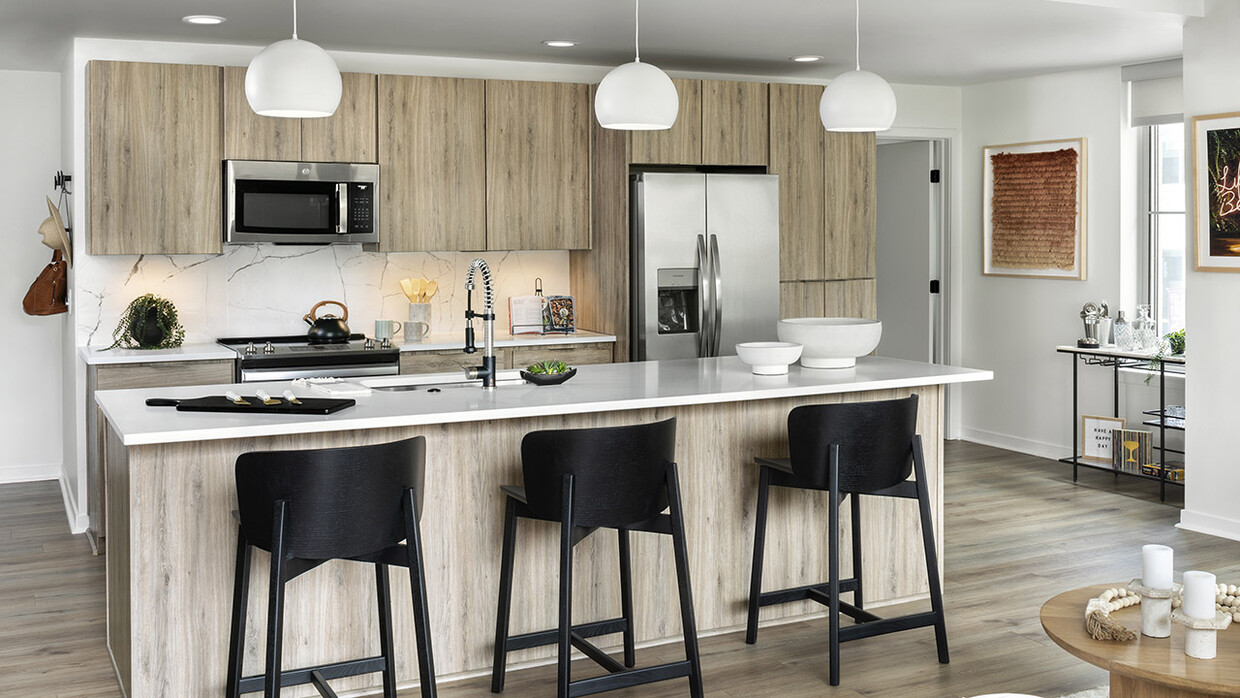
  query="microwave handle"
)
[{"x": 342, "y": 197}]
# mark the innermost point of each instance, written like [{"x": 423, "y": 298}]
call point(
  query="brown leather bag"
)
[{"x": 48, "y": 293}]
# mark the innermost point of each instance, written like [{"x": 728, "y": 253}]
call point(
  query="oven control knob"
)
[
  {"x": 250, "y": 349},
  {"x": 269, "y": 349},
  {"x": 370, "y": 344}
]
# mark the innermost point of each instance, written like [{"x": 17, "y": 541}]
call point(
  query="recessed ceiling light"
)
[
  {"x": 805, "y": 59},
  {"x": 560, "y": 43},
  {"x": 203, "y": 19}
]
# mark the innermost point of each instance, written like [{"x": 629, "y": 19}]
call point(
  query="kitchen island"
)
[{"x": 172, "y": 539}]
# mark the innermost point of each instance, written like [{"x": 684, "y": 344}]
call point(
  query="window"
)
[{"x": 1164, "y": 225}]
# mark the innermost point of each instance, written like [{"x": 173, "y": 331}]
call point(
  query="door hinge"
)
[
  {"x": 934, "y": 285},
  {"x": 935, "y": 176}
]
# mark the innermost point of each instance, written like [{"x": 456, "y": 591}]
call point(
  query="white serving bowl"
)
[
  {"x": 769, "y": 358},
  {"x": 831, "y": 342}
]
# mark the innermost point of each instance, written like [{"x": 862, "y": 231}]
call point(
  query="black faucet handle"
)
[{"x": 469, "y": 340}]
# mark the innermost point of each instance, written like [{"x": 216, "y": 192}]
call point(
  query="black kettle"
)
[{"x": 328, "y": 329}]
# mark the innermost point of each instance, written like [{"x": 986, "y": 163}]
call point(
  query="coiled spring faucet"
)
[{"x": 487, "y": 370}]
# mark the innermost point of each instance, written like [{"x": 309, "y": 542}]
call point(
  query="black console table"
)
[{"x": 1116, "y": 360}]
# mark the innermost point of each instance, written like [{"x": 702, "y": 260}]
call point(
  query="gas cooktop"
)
[{"x": 283, "y": 357}]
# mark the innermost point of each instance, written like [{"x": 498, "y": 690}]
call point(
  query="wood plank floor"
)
[{"x": 1018, "y": 532}]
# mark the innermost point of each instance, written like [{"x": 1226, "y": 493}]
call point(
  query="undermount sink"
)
[{"x": 437, "y": 381}]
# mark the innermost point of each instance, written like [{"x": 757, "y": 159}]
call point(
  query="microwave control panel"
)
[{"x": 361, "y": 207}]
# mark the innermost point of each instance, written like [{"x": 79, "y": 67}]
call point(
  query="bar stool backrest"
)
[
  {"x": 619, "y": 473},
  {"x": 875, "y": 440},
  {"x": 342, "y": 502}
]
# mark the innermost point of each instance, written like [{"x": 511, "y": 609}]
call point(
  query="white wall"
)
[
  {"x": 30, "y": 420},
  {"x": 1211, "y": 87}
]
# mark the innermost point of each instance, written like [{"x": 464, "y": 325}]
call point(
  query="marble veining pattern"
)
[{"x": 266, "y": 289}]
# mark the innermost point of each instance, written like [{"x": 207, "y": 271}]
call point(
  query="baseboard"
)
[
  {"x": 1007, "y": 442},
  {"x": 29, "y": 473},
  {"x": 78, "y": 522},
  {"x": 1209, "y": 524}
]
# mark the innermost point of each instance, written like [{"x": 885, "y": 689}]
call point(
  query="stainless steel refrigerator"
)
[{"x": 705, "y": 263}]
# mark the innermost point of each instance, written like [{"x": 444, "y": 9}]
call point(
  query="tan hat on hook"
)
[{"x": 54, "y": 234}]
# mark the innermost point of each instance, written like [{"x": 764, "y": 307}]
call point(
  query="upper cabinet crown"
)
[
  {"x": 719, "y": 123},
  {"x": 154, "y": 171},
  {"x": 349, "y": 135}
]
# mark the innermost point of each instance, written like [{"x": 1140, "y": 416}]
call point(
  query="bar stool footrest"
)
[
  {"x": 295, "y": 677},
  {"x": 628, "y": 678},
  {"x": 882, "y": 626},
  {"x": 809, "y": 592},
  {"x": 550, "y": 637}
]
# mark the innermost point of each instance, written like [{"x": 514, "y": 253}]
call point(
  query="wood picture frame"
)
[
  {"x": 1216, "y": 192},
  {"x": 1097, "y": 444},
  {"x": 1034, "y": 213}
]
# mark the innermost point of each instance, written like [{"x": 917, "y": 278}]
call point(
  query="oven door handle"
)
[
  {"x": 342, "y": 197},
  {"x": 251, "y": 375}
]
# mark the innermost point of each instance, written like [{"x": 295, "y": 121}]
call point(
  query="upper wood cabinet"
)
[
  {"x": 851, "y": 160},
  {"x": 719, "y": 123},
  {"x": 537, "y": 165},
  {"x": 432, "y": 164},
  {"x": 349, "y": 135},
  {"x": 797, "y": 157},
  {"x": 155, "y": 138}
]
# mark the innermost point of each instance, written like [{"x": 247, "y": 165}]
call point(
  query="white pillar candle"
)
[
  {"x": 1156, "y": 566},
  {"x": 1199, "y": 594}
]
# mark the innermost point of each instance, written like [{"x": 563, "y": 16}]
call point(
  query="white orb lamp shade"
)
[
  {"x": 858, "y": 101},
  {"x": 636, "y": 97},
  {"x": 293, "y": 79}
]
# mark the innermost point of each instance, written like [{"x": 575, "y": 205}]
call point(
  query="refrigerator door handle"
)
[
  {"x": 716, "y": 273},
  {"x": 705, "y": 338}
]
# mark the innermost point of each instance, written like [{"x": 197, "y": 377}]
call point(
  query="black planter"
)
[{"x": 146, "y": 331}]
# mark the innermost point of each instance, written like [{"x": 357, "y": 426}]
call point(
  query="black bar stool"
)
[
  {"x": 308, "y": 507},
  {"x": 848, "y": 450},
  {"x": 614, "y": 477}
]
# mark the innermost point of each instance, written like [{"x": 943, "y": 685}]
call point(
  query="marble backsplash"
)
[{"x": 266, "y": 289}]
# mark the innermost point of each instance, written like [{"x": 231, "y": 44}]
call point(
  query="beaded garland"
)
[{"x": 1100, "y": 626}]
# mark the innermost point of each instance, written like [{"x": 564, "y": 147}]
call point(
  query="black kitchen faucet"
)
[{"x": 487, "y": 370}]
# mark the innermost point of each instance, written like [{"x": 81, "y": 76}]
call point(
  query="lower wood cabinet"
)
[
  {"x": 450, "y": 360},
  {"x": 571, "y": 354},
  {"x": 159, "y": 374}
]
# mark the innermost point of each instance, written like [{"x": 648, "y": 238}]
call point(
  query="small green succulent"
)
[{"x": 548, "y": 367}]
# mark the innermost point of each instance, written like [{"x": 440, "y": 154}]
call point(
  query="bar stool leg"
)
[
  {"x": 417, "y": 582},
  {"x": 499, "y": 666},
  {"x": 680, "y": 547},
  {"x": 564, "y": 659},
  {"x": 382, "y": 592},
  {"x": 759, "y": 550},
  {"x": 932, "y": 563},
  {"x": 275, "y": 603},
  {"x": 626, "y": 598},
  {"x": 236, "y": 639},
  {"x": 833, "y": 562},
  {"x": 854, "y": 501}
]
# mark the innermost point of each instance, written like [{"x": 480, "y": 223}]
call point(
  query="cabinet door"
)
[
  {"x": 682, "y": 143},
  {"x": 797, "y": 157},
  {"x": 156, "y": 139},
  {"x": 248, "y": 136},
  {"x": 349, "y": 135},
  {"x": 735, "y": 127},
  {"x": 851, "y": 199},
  {"x": 538, "y": 165},
  {"x": 432, "y": 164},
  {"x": 446, "y": 361},
  {"x": 571, "y": 354}
]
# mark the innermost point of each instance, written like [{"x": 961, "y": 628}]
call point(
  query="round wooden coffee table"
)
[{"x": 1147, "y": 666}]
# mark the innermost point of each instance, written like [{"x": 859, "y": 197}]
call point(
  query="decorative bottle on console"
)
[{"x": 1123, "y": 333}]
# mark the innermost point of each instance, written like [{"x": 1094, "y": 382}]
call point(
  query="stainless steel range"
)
[{"x": 289, "y": 357}]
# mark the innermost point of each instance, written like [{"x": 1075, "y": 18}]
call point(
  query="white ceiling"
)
[{"x": 942, "y": 42}]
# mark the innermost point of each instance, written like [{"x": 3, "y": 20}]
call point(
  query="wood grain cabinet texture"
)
[
  {"x": 571, "y": 354},
  {"x": 851, "y": 160},
  {"x": 735, "y": 123},
  {"x": 797, "y": 157},
  {"x": 682, "y": 143},
  {"x": 349, "y": 135},
  {"x": 432, "y": 159},
  {"x": 155, "y": 138},
  {"x": 537, "y": 165},
  {"x": 160, "y": 374},
  {"x": 450, "y": 360}
]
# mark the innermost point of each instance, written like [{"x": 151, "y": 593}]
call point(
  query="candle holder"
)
[
  {"x": 1155, "y": 608},
  {"x": 1200, "y": 639}
]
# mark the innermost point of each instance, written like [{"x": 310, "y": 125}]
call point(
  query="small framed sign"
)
[{"x": 1096, "y": 438}]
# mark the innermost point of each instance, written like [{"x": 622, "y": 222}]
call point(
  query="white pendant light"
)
[
  {"x": 858, "y": 100},
  {"x": 294, "y": 79},
  {"x": 636, "y": 96}
]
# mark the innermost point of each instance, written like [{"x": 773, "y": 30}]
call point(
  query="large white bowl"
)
[
  {"x": 769, "y": 358},
  {"x": 831, "y": 342}
]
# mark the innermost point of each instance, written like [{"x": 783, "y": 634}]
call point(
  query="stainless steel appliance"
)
[
  {"x": 300, "y": 202},
  {"x": 288, "y": 357},
  {"x": 705, "y": 263}
]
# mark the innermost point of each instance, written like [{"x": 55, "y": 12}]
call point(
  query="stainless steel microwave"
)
[{"x": 305, "y": 203}]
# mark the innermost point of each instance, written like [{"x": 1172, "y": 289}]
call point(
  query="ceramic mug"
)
[
  {"x": 416, "y": 331},
  {"x": 386, "y": 329}
]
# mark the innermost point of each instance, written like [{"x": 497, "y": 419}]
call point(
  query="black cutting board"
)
[{"x": 219, "y": 403}]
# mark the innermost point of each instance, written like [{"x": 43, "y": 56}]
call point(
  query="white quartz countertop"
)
[
  {"x": 456, "y": 340},
  {"x": 595, "y": 388},
  {"x": 96, "y": 356}
]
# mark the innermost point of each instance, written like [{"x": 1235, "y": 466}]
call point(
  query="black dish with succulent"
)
[{"x": 548, "y": 373}]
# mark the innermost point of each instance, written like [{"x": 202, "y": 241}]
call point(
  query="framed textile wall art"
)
[
  {"x": 1033, "y": 219},
  {"x": 1216, "y": 191}
]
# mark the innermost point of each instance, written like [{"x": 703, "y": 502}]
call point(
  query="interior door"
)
[{"x": 906, "y": 250}]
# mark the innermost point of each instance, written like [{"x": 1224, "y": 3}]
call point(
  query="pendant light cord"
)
[
  {"x": 857, "y": 29},
  {"x": 637, "y": 28},
  {"x": 294, "y": 19}
]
